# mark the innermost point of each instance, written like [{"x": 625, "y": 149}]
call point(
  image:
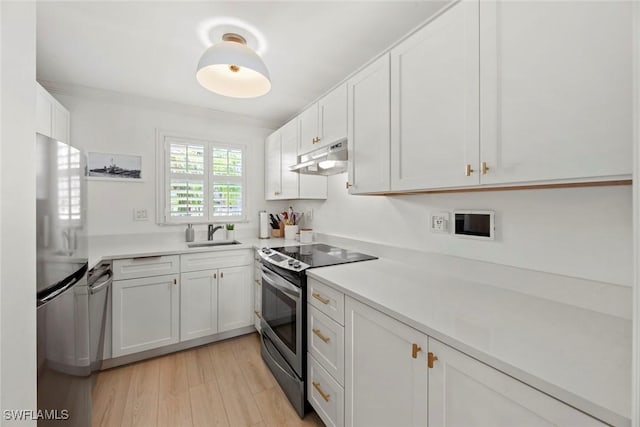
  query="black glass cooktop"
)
[{"x": 321, "y": 255}]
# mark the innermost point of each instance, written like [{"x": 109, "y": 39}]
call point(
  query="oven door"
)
[{"x": 282, "y": 317}]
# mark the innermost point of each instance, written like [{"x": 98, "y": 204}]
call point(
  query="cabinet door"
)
[
  {"x": 332, "y": 110},
  {"x": 44, "y": 111},
  {"x": 272, "y": 167},
  {"x": 384, "y": 384},
  {"x": 198, "y": 304},
  {"x": 465, "y": 392},
  {"x": 308, "y": 122},
  {"x": 61, "y": 123},
  {"x": 555, "y": 93},
  {"x": 235, "y": 299},
  {"x": 289, "y": 149},
  {"x": 145, "y": 313},
  {"x": 368, "y": 125},
  {"x": 435, "y": 103}
]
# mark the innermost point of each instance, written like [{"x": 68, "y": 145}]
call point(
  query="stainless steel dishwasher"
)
[{"x": 99, "y": 283}]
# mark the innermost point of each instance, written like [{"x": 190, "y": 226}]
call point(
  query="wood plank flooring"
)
[{"x": 220, "y": 384}]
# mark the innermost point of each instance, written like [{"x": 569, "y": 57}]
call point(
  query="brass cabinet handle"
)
[
  {"x": 415, "y": 349},
  {"x": 349, "y": 185},
  {"x": 215, "y": 276},
  {"x": 319, "y": 298},
  {"x": 468, "y": 171},
  {"x": 175, "y": 281},
  {"x": 324, "y": 395},
  {"x": 484, "y": 168},
  {"x": 221, "y": 275},
  {"x": 258, "y": 314},
  {"x": 322, "y": 337},
  {"x": 258, "y": 282},
  {"x": 430, "y": 359},
  {"x": 276, "y": 193}
]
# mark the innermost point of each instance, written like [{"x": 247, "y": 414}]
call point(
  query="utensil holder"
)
[{"x": 290, "y": 232}]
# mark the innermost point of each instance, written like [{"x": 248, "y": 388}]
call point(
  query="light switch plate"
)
[
  {"x": 140, "y": 214},
  {"x": 439, "y": 222}
]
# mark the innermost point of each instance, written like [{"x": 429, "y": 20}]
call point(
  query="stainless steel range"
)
[{"x": 284, "y": 310}]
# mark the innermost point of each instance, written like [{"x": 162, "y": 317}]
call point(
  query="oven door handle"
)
[{"x": 281, "y": 284}]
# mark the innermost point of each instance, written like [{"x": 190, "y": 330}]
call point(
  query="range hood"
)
[{"x": 329, "y": 160}]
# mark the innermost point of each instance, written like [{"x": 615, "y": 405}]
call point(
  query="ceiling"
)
[{"x": 151, "y": 49}]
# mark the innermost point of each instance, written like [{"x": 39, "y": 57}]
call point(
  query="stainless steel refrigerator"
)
[{"x": 64, "y": 365}]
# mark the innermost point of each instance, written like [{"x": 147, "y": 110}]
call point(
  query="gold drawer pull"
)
[
  {"x": 430, "y": 359},
  {"x": 175, "y": 281},
  {"x": 324, "y": 395},
  {"x": 319, "y": 298},
  {"x": 415, "y": 349},
  {"x": 322, "y": 337},
  {"x": 258, "y": 314}
]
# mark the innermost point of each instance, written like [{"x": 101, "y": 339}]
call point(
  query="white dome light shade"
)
[{"x": 231, "y": 68}]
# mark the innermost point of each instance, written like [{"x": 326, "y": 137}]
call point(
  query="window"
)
[{"x": 200, "y": 181}]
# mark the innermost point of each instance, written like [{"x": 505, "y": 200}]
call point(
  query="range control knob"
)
[
  {"x": 266, "y": 251},
  {"x": 296, "y": 265},
  {"x": 291, "y": 262}
]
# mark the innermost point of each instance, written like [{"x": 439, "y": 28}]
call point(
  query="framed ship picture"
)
[{"x": 117, "y": 167}]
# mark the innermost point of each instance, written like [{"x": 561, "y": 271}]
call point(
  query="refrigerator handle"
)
[{"x": 45, "y": 231}]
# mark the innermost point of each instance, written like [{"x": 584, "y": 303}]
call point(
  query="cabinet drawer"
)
[
  {"x": 133, "y": 268},
  {"x": 326, "y": 343},
  {"x": 326, "y": 299},
  {"x": 213, "y": 260},
  {"x": 325, "y": 394}
]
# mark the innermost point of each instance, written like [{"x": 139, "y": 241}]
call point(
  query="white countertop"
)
[
  {"x": 578, "y": 356},
  {"x": 124, "y": 246}
]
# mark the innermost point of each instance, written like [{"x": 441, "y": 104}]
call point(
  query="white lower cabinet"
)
[
  {"x": 385, "y": 370},
  {"x": 145, "y": 313},
  {"x": 325, "y": 394},
  {"x": 235, "y": 298},
  {"x": 466, "y": 392},
  {"x": 198, "y": 304}
]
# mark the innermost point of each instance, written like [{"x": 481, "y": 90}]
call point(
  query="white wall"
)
[
  {"x": 18, "y": 210},
  {"x": 579, "y": 232},
  {"x": 109, "y": 125}
]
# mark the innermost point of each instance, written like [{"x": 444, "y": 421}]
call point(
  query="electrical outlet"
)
[
  {"x": 439, "y": 222},
  {"x": 140, "y": 214},
  {"x": 308, "y": 215}
]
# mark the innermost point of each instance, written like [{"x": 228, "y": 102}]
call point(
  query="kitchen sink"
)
[{"x": 213, "y": 243}]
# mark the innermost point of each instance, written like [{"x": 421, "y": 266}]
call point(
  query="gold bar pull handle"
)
[
  {"x": 319, "y": 298},
  {"x": 324, "y": 395},
  {"x": 468, "y": 171},
  {"x": 175, "y": 281},
  {"x": 321, "y": 336},
  {"x": 484, "y": 168},
  {"x": 430, "y": 359},
  {"x": 415, "y": 349}
]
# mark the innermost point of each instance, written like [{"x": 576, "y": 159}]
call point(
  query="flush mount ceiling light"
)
[{"x": 231, "y": 68}]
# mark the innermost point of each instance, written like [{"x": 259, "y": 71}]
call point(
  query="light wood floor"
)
[{"x": 220, "y": 384}]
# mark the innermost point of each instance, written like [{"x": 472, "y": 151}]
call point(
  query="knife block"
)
[{"x": 278, "y": 232}]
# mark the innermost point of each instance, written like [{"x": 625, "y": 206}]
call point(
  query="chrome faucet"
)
[{"x": 212, "y": 230}]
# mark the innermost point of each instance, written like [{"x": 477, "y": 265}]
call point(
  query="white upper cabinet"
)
[
  {"x": 325, "y": 122},
  {"x": 273, "y": 166},
  {"x": 332, "y": 122},
  {"x": 368, "y": 128},
  {"x": 289, "y": 153},
  {"x": 52, "y": 119},
  {"x": 556, "y": 90},
  {"x": 308, "y": 128},
  {"x": 435, "y": 104},
  {"x": 281, "y": 152}
]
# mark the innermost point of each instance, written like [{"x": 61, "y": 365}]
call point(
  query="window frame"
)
[{"x": 163, "y": 179}]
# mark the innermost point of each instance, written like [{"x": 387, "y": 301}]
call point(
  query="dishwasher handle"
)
[{"x": 103, "y": 285}]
